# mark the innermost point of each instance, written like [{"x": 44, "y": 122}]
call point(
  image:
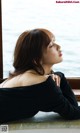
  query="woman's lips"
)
[{"x": 60, "y": 54}]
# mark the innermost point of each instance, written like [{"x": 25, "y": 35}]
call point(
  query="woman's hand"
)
[{"x": 57, "y": 79}]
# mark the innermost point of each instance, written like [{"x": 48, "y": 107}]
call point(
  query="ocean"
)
[{"x": 62, "y": 19}]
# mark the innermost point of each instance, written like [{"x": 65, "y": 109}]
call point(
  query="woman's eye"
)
[{"x": 51, "y": 46}]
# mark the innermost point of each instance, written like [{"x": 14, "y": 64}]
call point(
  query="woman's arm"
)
[{"x": 62, "y": 104}]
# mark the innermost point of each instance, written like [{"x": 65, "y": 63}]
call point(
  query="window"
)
[{"x": 62, "y": 19}]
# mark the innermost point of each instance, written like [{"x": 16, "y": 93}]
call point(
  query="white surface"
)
[{"x": 47, "y": 131}]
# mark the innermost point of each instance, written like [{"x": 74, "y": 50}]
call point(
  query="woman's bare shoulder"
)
[
  {"x": 25, "y": 79},
  {"x": 31, "y": 79}
]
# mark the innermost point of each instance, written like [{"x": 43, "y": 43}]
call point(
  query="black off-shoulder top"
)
[{"x": 25, "y": 101}]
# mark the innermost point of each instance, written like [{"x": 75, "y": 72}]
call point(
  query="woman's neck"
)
[{"x": 47, "y": 69}]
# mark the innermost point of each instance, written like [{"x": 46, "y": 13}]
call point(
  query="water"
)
[{"x": 62, "y": 19}]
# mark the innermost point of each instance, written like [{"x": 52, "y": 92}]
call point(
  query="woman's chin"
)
[{"x": 59, "y": 61}]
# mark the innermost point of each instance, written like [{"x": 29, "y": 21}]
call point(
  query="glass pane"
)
[{"x": 62, "y": 19}]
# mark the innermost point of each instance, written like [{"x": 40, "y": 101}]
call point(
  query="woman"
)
[{"x": 33, "y": 86}]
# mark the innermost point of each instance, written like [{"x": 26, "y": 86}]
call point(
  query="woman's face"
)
[{"x": 52, "y": 54}]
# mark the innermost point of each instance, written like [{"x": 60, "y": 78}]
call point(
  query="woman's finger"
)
[{"x": 57, "y": 79}]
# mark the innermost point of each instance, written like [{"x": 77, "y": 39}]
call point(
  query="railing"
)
[{"x": 74, "y": 82}]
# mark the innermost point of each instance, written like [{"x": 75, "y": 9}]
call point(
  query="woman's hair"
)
[{"x": 29, "y": 50}]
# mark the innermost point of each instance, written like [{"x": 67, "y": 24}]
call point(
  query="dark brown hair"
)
[{"x": 28, "y": 51}]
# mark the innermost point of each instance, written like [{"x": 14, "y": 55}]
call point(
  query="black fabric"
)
[{"x": 24, "y": 102}]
